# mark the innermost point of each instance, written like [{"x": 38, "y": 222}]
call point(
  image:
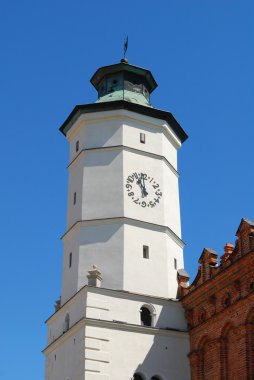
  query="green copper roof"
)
[
  {"x": 124, "y": 82},
  {"x": 129, "y": 96}
]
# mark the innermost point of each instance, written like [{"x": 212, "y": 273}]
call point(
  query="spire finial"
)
[{"x": 125, "y": 47}]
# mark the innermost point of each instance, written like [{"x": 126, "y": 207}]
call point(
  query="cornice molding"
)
[
  {"x": 123, "y": 294},
  {"x": 114, "y": 326},
  {"x": 126, "y": 220},
  {"x": 121, "y": 104}
]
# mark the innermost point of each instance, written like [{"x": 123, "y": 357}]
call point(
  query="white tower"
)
[{"x": 120, "y": 319}]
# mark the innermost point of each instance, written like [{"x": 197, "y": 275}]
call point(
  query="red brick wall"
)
[{"x": 219, "y": 308}]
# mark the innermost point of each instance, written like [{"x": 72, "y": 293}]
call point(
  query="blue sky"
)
[{"x": 200, "y": 53}]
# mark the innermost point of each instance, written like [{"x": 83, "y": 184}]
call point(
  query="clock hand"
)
[
  {"x": 143, "y": 189},
  {"x": 142, "y": 179},
  {"x": 139, "y": 183},
  {"x": 144, "y": 192}
]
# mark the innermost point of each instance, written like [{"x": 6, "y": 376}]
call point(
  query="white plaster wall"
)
[
  {"x": 97, "y": 353},
  {"x": 110, "y": 305},
  {"x": 118, "y": 351},
  {"x": 70, "y": 274},
  {"x": 102, "y": 245},
  {"x": 170, "y": 149},
  {"x": 105, "y": 131},
  {"x": 96, "y": 177},
  {"x": 125, "y": 307},
  {"x": 66, "y": 361},
  {"x": 126, "y": 352},
  {"x": 149, "y": 355},
  {"x": 147, "y": 276},
  {"x": 156, "y": 275},
  {"x": 75, "y": 184},
  {"x": 98, "y": 244},
  {"x": 156, "y": 140},
  {"x": 76, "y": 308},
  {"x": 95, "y": 130},
  {"x": 174, "y": 251},
  {"x": 102, "y": 185},
  {"x": 122, "y": 127},
  {"x": 117, "y": 250},
  {"x": 171, "y": 201}
]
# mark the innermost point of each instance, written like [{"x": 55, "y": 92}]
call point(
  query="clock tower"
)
[{"x": 118, "y": 317}]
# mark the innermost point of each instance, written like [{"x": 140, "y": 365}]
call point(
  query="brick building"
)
[{"x": 219, "y": 308}]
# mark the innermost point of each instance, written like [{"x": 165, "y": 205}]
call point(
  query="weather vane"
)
[{"x": 125, "y": 47}]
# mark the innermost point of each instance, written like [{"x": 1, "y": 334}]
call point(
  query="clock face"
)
[{"x": 143, "y": 189}]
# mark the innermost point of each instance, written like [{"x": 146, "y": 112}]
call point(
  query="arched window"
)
[
  {"x": 66, "y": 323},
  {"x": 226, "y": 300},
  {"x": 137, "y": 376},
  {"x": 145, "y": 316},
  {"x": 202, "y": 316},
  {"x": 155, "y": 377}
]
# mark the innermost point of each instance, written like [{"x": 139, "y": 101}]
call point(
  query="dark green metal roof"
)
[
  {"x": 103, "y": 71},
  {"x": 122, "y": 104}
]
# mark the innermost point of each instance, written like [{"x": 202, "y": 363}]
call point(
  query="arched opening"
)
[
  {"x": 231, "y": 348},
  {"x": 137, "y": 376},
  {"x": 202, "y": 316},
  {"x": 226, "y": 300},
  {"x": 155, "y": 377},
  {"x": 66, "y": 323},
  {"x": 199, "y": 357},
  {"x": 145, "y": 316}
]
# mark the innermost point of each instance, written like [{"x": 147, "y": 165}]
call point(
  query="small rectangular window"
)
[
  {"x": 77, "y": 146},
  {"x": 145, "y": 252},
  {"x": 70, "y": 260},
  {"x": 175, "y": 263},
  {"x": 74, "y": 198},
  {"x": 142, "y": 138}
]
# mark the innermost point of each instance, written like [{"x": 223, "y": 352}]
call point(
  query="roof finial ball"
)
[{"x": 125, "y": 47}]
